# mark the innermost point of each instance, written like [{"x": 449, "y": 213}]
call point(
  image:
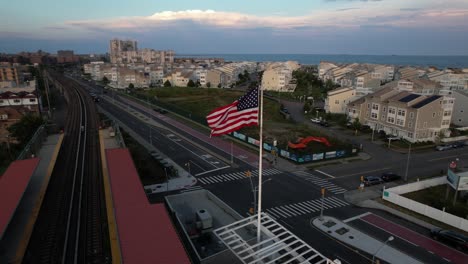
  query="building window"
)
[
  {"x": 391, "y": 110},
  {"x": 400, "y": 122},
  {"x": 424, "y": 124},
  {"x": 433, "y": 115},
  {"x": 410, "y": 134},
  {"x": 375, "y": 106},
  {"x": 337, "y": 101},
  {"x": 16, "y": 100},
  {"x": 447, "y": 113},
  {"x": 374, "y": 115},
  {"x": 411, "y": 115},
  {"x": 445, "y": 122},
  {"x": 1, "y": 101},
  {"x": 401, "y": 112},
  {"x": 368, "y": 106},
  {"x": 410, "y": 124},
  {"x": 391, "y": 120},
  {"x": 32, "y": 100},
  {"x": 384, "y": 109}
]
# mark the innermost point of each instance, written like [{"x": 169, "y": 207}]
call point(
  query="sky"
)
[{"x": 373, "y": 27}]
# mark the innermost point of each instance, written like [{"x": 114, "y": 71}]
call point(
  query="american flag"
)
[{"x": 234, "y": 116}]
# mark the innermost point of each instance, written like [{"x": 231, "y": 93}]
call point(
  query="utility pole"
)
[
  {"x": 321, "y": 204},
  {"x": 407, "y": 163}
]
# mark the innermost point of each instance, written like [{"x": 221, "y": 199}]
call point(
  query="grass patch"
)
[
  {"x": 149, "y": 170},
  {"x": 435, "y": 197}
]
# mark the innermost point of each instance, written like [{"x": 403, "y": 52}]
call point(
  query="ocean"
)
[{"x": 440, "y": 62}]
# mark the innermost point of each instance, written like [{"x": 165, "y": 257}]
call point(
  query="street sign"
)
[{"x": 453, "y": 165}]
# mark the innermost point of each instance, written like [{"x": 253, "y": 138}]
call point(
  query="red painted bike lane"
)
[
  {"x": 216, "y": 142},
  {"x": 415, "y": 238}
]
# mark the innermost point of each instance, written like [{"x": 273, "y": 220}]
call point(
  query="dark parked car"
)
[
  {"x": 390, "y": 176},
  {"x": 324, "y": 123},
  {"x": 459, "y": 144},
  {"x": 372, "y": 180},
  {"x": 451, "y": 238}
]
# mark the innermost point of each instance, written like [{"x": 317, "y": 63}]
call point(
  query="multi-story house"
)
[
  {"x": 179, "y": 78},
  {"x": 450, "y": 81},
  {"x": 365, "y": 83},
  {"x": 338, "y": 99},
  {"x": 413, "y": 117},
  {"x": 216, "y": 78},
  {"x": 324, "y": 67},
  {"x": 460, "y": 110},
  {"x": 278, "y": 77},
  {"x": 417, "y": 86}
]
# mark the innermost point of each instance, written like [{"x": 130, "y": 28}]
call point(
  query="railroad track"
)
[{"x": 72, "y": 223}]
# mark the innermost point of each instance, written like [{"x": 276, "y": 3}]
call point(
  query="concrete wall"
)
[{"x": 393, "y": 195}]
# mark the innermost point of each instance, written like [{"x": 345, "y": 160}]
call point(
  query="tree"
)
[
  {"x": 190, "y": 83},
  {"x": 219, "y": 85},
  {"x": 131, "y": 86},
  {"x": 167, "y": 83},
  {"x": 105, "y": 81},
  {"x": 208, "y": 84},
  {"x": 356, "y": 125},
  {"x": 25, "y": 128}
]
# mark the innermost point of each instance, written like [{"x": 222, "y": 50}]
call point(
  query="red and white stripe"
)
[{"x": 227, "y": 119}]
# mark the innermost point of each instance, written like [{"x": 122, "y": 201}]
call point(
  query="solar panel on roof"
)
[
  {"x": 427, "y": 101},
  {"x": 409, "y": 98}
]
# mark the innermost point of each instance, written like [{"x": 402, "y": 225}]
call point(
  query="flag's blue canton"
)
[{"x": 250, "y": 100}]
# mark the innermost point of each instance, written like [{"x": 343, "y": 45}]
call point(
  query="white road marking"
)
[
  {"x": 356, "y": 217},
  {"x": 324, "y": 173}
]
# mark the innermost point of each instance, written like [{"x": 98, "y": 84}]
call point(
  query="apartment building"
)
[
  {"x": 24, "y": 100},
  {"x": 216, "y": 78},
  {"x": 126, "y": 76},
  {"x": 366, "y": 83},
  {"x": 66, "y": 56},
  {"x": 413, "y": 117},
  {"x": 450, "y": 80},
  {"x": 179, "y": 78},
  {"x": 409, "y": 73},
  {"x": 324, "y": 67},
  {"x": 278, "y": 76},
  {"x": 337, "y": 100},
  {"x": 126, "y": 51},
  {"x": 460, "y": 109},
  {"x": 9, "y": 73},
  {"x": 417, "y": 86}
]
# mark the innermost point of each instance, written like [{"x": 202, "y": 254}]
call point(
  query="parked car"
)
[
  {"x": 372, "y": 180},
  {"x": 458, "y": 144},
  {"x": 390, "y": 176},
  {"x": 315, "y": 120},
  {"x": 451, "y": 238},
  {"x": 324, "y": 123},
  {"x": 444, "y": 147}
]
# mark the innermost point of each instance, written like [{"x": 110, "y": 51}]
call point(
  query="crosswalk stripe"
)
[
  {"x": 272, "y": 214},
  {"x": 279, "y": 212},
  {"x": 301, "y": 208},
  {"x": 202, "y": 180},
  {"x": 282, "y": 212},
  {"x": 229, "y": 177},
  {"x": 334, "y": 203},
  {"x": 297, "y": 208},
  {"x": 340, "y": 192},
  {"x": 340, "y": 201},
  {"x": 311, "y": 208},
  {"x": 288, "y": 210}
]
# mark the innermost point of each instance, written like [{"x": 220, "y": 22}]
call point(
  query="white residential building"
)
[
  {"x": 337, "y": 100},
  {"x": 278, "y": 77},
  {"x": 460, "y": 109}
]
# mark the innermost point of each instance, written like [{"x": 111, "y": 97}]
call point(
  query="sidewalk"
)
[
  {"x": 366, "y": 199},
  {"x": 16, "y": 238},
  {"x": 361, "y": 241}
]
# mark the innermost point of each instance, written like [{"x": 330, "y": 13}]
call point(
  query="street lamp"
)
[
  {"x": 383, "y": 245},
  {"x": 407, "y": 162}
]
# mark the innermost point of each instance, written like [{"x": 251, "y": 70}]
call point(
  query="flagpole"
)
[{"x": 260, "y": 165}]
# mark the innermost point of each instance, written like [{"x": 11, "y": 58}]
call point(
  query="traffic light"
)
[
  {"x": 251, "y": 210},
  {"x": 248, "y": 173},
  {"x": 323, "y": 191}
]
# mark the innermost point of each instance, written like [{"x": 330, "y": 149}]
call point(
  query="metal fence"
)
[{"x": 34, "y": 144}]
